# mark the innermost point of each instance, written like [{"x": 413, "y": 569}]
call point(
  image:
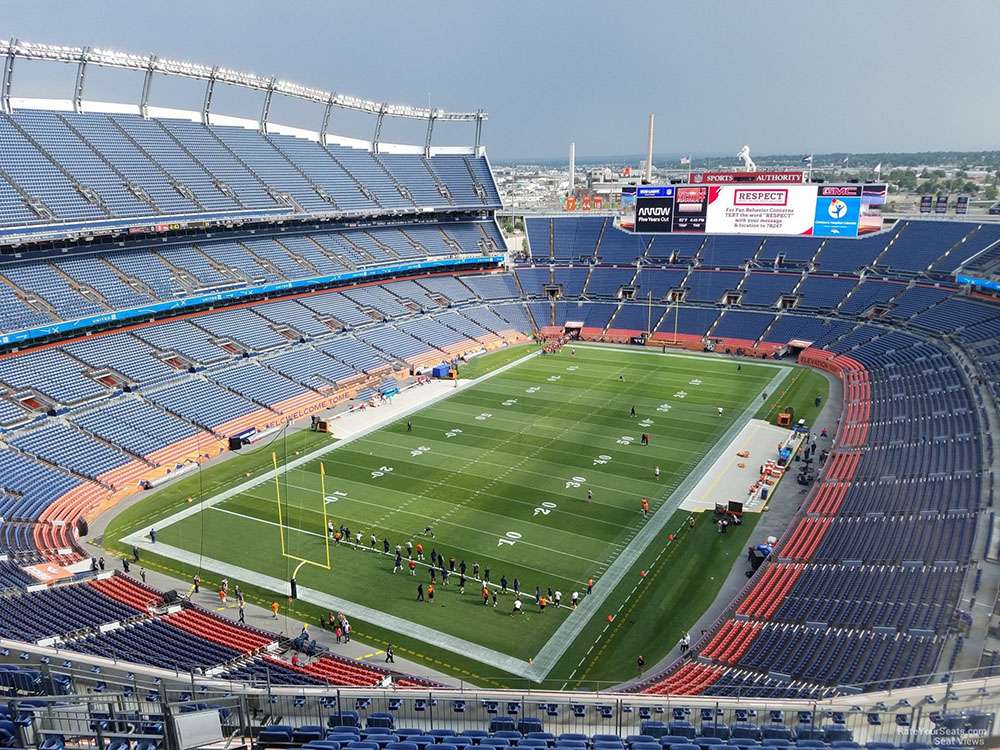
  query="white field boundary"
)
[{"x": 564, "y": 636}]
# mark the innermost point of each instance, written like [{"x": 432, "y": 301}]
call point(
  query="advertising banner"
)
[
  {"x": 690, "y": 209},
  {"x": 733, "y": 178},
  {"x": 770, "y": 209},
  {"x": 626, "y": 218},
  {"x": 838, "y": 209},
  {"x": 806, "y": 209},
  {"x": 873, "y": 197},
  {"x": 654, "y": 208}
]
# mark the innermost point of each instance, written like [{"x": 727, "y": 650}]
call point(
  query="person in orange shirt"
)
[
  {"x": 274, "y": 609},
  {"x": 430, "y": 593},
  {"x": 413, "y": 567},
  {"x": 645, "y": 506},
  {"x": 222, "y": 597},
  {"x": 542, "y": 603},
  {"x": 590, "y": 585},
  {"x": 420, "y": 551},
  {"x": 486, "y": 595}
]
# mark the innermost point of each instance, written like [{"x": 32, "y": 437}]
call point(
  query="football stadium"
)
[{"x": 316, "y": 440}]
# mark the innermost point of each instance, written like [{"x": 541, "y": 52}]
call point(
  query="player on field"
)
[
  {"x": 398, "y": 564},
  {"x": 430, "y": 592},
  {"x": 420, "y": 592},
  {"x": 633, "y": 411},
  {"x": 385, "y": 545},
  {"x": 413, "y": 566},
  {"x": 575, "y": 598},
  {"x": 517, "y": 607},
  {"x": 329, "y": 529},
  {"x": 429, "y": 531},
  {"x": 503, "y": 584},
  {"x": 517, "y": 587},
  {"x": 409, "y": 548},
  {"x": 590, "y": 495},
  {"x": 485, "y": 594},
  {"x": 461, "y": 583},
  {"x": 644, "y": 504},
  {"x": 475, "y": 569},
  {"x": 656, "y": 472},
  {"x": 420, "y": 551},
  {"x": 720, "y": 411},
  {"x": 486, "y": 575},
  {"x": 372, "y": 541}
]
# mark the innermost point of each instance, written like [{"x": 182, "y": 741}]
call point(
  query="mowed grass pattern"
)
[{"x": 501, "y": 472}]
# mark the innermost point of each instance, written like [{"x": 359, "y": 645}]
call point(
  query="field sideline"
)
[{"x": 500, "y": 471}]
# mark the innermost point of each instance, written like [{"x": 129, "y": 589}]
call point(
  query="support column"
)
[
  {"x": 147, "y": 85},
  {"x": 266, "y": 111},
  {"x": 479, "y": 129},
  {"x": 81, "y": 76},
  {"x": 326, "y": 119},
  {"x": 378, "y": 128},
  {"x": 206, "y": 106},
  {"x": 430, "y": 134},
  {"x": 8, "y": 77}
]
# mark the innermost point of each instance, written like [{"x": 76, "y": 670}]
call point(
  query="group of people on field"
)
[{"x": 412, "y": 555}]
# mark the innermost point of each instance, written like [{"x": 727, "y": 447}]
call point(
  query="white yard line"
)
[
  {"x": 529, "y": 503},
  {"x": 362, "y": 546},
  {"x": 472, "y": 529}
]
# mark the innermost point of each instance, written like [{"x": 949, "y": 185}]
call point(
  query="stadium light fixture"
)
[{"x": 152, "y": 64}]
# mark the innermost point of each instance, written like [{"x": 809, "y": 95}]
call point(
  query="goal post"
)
[{"x": 307, "y": 532}]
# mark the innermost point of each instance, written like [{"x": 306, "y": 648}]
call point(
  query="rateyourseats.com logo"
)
[{"x": 948, "y": 737}]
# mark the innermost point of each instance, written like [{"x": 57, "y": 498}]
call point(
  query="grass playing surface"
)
[{"x": 500, "y": 471}]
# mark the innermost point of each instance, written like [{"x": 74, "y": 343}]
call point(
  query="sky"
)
[{"x": 784, "y": 76}]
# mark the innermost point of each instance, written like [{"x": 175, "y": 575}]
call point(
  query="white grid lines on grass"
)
[
  {"x": 580, "y": 394},
  {"x": 425, "y": 517}
]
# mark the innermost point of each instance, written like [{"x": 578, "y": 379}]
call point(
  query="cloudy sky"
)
[{"x": 786, "y": 76}]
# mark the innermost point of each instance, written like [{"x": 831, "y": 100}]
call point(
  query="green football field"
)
[{"x": 535, "y": 473}]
